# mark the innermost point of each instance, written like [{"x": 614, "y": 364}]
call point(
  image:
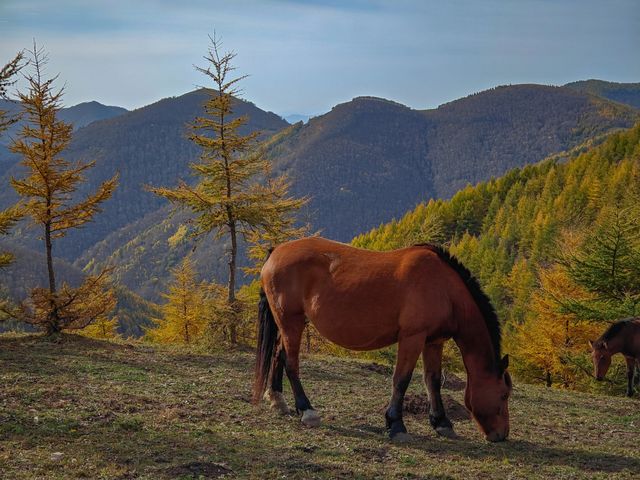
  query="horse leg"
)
[
  {"x": 274, "y": 393},
  {"x": 636, "y": 380},
  {"x": 409, "y": 349},
  {"x": 292, "y": 337},
  {"x": 631, "y": 367},
  {"x": 432, "y": 360}
]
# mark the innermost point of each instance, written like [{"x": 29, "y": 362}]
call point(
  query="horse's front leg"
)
[
  {"x": 408, "y": 352},
  {"x": 631, "y": 368},
  {"x": 432, "y": 360}
]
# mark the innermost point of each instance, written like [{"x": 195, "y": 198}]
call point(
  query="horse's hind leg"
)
[
  {"x": 432, "y": 360},
  {"x": 631, "y": 367},
  {"x": 409, "y": 349},
  {"x": 274, "y": 393},
  {"x": 291, "y": 332}
]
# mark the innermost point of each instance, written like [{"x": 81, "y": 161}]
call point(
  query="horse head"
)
[
  {"x": 488, "y": 402},
  {"x": 601, "y": 357}
]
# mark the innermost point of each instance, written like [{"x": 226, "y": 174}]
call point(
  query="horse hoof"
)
[
  {"x": 310, "y": 418},
  {"x": 446, "y": 432},
  {"x": 277, "y": 402},
  {"x": 401, "y": 437}
]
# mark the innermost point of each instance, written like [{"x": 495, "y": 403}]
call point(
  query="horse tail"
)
[
  {"x": 266, "y": 346},
  {"x": 265, "y": 350}
]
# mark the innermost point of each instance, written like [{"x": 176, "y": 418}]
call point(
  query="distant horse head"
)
[
  {"x": 601, "y": 356},
  {"x": 489, "y": 403}
]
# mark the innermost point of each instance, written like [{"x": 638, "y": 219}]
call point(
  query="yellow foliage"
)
[
  {"x": 192, "y": 308},
  {"x": 103, "y": 328},
  {"x": 550, "y": 345}
]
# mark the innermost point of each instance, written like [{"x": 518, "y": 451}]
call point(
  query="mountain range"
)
[{"x": 363, "y": 163}]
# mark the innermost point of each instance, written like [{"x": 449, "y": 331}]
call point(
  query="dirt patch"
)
[
  {"x": 419, "y": 405},
  {"x": 197, "y": 470},
  {"x": 451, "y": 381},
  {"x": 378, "y": 368}
]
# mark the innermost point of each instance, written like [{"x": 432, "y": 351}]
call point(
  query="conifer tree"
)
[
  {"x": 103, "y": 328},
  {"x": 10, "y": 216},
  {"x": 231, "y": 197},
  {"x": 191, "y": 308},
  {"x": 607, "y": 265},
  {"x": 47, "y": 191}
]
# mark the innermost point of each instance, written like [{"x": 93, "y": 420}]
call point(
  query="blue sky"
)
[{"x": 306, "y": 56}]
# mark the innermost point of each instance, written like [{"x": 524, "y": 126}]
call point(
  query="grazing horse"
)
[
  {"x": 363, "y": 300},
  {"x": 621, "y": 337}
]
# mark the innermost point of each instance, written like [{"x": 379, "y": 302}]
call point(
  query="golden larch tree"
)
[
  {"x": 47, "y": 191},
  {"x": 233, "y": 195},
  {"x": 10, "y": 216},
  {"x": 191, "y": 308}
]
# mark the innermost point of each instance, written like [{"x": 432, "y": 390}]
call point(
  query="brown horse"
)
[
  {"x": 621, "y": 337},
  {"x": 363, "y": 300}
]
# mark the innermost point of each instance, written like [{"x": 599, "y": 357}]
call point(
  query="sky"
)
[{"x": 307, "y": 56}]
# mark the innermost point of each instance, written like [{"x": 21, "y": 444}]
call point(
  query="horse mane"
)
[
  {"x": 614, "y": 329},
  {"x": 482, "y": 300}
]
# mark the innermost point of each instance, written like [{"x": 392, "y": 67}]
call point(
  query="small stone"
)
[{"x": 57, "y": 456}]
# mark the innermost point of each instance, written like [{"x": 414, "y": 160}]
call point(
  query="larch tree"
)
[
  {"x": 10, "y": 216},
  {"x": 191, "y": 308},
  {"x": 103, "y": 328},
  {"x": 47, "y": 192},
  {"x": 233, "y": 195}
]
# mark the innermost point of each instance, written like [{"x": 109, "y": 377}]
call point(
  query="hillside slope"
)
[
  {"x": 135, "y": 411},
  {"x": 627, "y": 93}
]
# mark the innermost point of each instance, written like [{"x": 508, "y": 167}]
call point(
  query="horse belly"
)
[{"x": 354, "y": 328}]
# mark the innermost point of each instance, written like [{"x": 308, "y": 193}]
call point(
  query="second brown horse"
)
[{"x": 363, "y": 300}]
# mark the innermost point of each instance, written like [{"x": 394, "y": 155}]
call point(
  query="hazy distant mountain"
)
[
  {"x": 297, "y": 117},
  {"x": 627, "y": 93},
  {"x": 85, "y": 113},
  {"x": 369, "y": 160}
]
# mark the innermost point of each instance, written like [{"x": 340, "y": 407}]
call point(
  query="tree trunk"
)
[
  {"x": 53, "y": 325},
  {"x": 548, "y": 378},
  {"x": 233, "y": 333}
]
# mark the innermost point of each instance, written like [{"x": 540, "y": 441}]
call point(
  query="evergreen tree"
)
[
  {"x": 6, "y": 80},
  {"x": 103, "y": 328},
  {"x": 10, "y": 216},
  {"x": 229, "y": 198},
  {"x": 47, "y": 191},
  {"x": 191, "y": 308},
  {"x": 607, "y": 265}
]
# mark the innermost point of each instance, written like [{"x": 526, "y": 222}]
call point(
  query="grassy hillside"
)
[{"x": 117, "y": 410}]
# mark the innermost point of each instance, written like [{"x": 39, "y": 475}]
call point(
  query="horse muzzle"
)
[{"x": 495, "y": 437}]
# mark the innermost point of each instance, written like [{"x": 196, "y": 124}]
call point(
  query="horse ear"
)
[
  {"x": 591, "y": 343},
  {"x": 505, "y": 362},
  {"x": 604, "y": 344}
]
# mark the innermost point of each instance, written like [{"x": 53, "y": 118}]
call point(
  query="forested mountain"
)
[
  {"x": 627, "y": 93},
  {"x": 147, "y": 146},
  {"x": 369, "y": 160},
  {"x": 364, "y": 162},
  {"x": 514, "y": 233}
]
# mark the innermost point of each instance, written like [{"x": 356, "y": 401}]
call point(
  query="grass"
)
[{"x": 118, "y": 410}]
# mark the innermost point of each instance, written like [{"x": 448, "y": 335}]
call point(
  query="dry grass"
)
[{"x": 133, "y": 411}]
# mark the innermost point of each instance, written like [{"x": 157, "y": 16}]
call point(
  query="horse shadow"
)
[{"x": 517, "y": 450}]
